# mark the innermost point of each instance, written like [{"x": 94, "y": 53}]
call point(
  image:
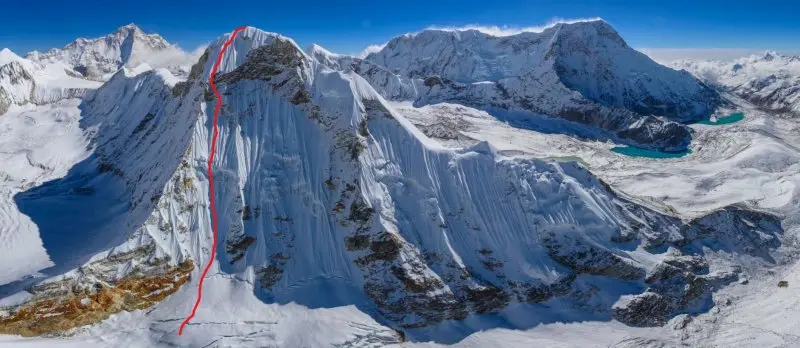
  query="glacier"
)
[{"x": 349, "y": 206}]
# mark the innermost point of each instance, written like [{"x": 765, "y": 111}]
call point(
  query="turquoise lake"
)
[
  {"x": 732, "y": 118},
  {"x": 638, "y": 152}
]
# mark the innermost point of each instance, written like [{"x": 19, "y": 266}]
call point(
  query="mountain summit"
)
[
  {"x": 581, "y": 72},
  {"x": 327, "y": 196},
  {"x": 97, "y": 58}
]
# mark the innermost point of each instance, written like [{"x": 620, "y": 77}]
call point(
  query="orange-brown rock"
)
[{"x": 50, "y": 314}]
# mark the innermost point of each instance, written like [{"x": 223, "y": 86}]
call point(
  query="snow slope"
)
[
  {"x": 231, "y": 316},
  {"x": 324, "y": 188},
  {"x": 37, "y": 144},
  {"x": 41, "y": 140},
  {"x": 338, "y": 214},
  {"x": 752, "y": 160}
]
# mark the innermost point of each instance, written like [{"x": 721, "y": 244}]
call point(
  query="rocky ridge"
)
[{"x": 320, "y": 179}]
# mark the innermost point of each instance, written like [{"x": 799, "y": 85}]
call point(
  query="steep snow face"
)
[
  {"x": 594, "y": 60},
  {"x": 119, "y": 202},
  {"x": 770, "y": 81},
  {"x": 324, "y": 188},
  {"x": 582, "y": 72},
  {"x": 327, "y": 196},
  {"x": 390, "y": 85},
  {"x": 589, "y": 57},
  {"x": 106, "y": 191},
  {"x": 99, "y": 58},
  {"x": 463, "y": 56}
]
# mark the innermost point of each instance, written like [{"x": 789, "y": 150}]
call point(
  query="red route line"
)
[{"x": 211, "y": 177}]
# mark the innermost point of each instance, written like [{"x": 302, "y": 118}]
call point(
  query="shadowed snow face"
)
[{"x": 328, "y": 196}]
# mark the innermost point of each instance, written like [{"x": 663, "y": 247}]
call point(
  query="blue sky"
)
[{"x": 350, "y": 26}]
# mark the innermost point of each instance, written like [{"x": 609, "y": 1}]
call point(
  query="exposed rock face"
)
[
  {"x": 582, "y": 72},
  {"x": 737, "y": 229},
  {"x": 93, "y": 294},
  {"x": 126, "y": 266},
  {"x": 647, "y": 309},
  {"x": 583, "y": 258},
  {"x": 319, "y": 182},
  {"x": 683, "y": 282},
  {"x": 674, "y": 286},
  {"x": 266, "y": 62},
  {"x": 16, "y": 86}
]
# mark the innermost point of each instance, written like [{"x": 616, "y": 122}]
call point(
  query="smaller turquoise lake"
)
[
  {"x": 732, "y": 118},
  {"x": 638, "y": 152}
]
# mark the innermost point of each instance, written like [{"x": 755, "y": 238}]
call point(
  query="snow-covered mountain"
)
[
  {"x": 770, "y": 81},
  {"x": 39, "y": 141},
  {"x": 44, "y": 78},
  {"x": 328, "y": 196},
  {"x": 582, "y": 72},
  {"x": 128, "y": 46},
  {"x": 23, "y": 82}
]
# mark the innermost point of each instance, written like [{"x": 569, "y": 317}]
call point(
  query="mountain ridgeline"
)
[
  {"x": 583, "y": 73},
  {"x": 327, "y": 196},
  {"x": 97, "y": 58},
  {"x": 769, "y": 81}
]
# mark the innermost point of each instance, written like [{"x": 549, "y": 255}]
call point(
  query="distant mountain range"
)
[
  {"x": 770, "y": 81},
  {"x": 328, "y": 196},
  {"x": 128, "y": 46}
]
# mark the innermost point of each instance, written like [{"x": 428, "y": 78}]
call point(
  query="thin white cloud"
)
[
  {"x": 371, "y": 49},
  {"x": 173, "y": 56},
  {"x": 666, "y": 55},
  {"x": 510, "y": 30}
]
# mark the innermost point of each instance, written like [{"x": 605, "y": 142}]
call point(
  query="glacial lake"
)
[
  {"x": 732, "y": 118},
  {"x": 638, "y": 152}
]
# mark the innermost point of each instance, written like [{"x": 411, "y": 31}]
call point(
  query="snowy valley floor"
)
[
  {"x": 756, "y": 161},
  {"x": 37, "y": 144}
]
